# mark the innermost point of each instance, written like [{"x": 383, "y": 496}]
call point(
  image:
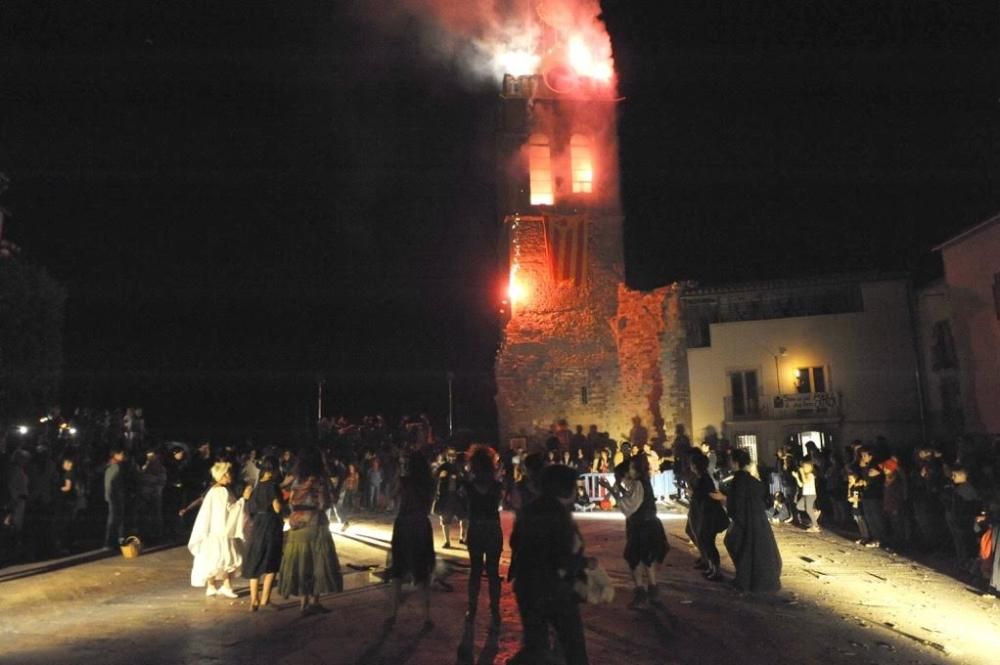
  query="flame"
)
[
  {"x": 517, "y": 62},
  {"x": 516, "y": 290},
  {"x": 582, "y": 60}
]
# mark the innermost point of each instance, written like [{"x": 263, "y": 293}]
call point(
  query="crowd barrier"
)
[{"x": 663, "y": 485}]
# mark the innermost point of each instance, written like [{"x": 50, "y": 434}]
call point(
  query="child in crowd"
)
[{"x": 778, "y": 512}]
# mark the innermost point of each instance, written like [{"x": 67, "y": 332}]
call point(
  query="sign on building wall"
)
[{"x": 805, "y": 404}]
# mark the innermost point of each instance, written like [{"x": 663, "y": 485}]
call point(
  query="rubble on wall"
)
[
  {"x": 625, "y": 347},
  {"x": 649, "y": 334}
]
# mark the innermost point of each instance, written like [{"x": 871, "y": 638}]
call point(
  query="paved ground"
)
[{"x": 841, "y": 604}]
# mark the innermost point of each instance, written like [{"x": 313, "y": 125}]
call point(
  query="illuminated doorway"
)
[
  {"x": 819, "y": 438},
  {"x": 748, "y": 442}
]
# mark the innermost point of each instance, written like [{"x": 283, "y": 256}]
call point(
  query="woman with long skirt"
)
[
  {"x": 412, "y": 536},
  {"x": 216, "y": 539},
  {"x": 309, "y": 565},
  {"x": 750, "y": 541},
  {"x": 263, "y": 557},
  {"x": 485, "y": 538},
  {"x": 646, "y": 543}
]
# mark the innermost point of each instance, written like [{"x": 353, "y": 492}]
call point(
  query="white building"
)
[
  {"x": 829, "y": 360},
  {"x": 972, "y": 280}
]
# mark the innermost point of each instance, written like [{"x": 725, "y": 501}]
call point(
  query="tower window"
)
[
  {"x": 582, "y": 164},
  {"x": 540, "y": 170}
]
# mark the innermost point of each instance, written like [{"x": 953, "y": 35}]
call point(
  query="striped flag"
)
[{"x": 566, "y": 243}]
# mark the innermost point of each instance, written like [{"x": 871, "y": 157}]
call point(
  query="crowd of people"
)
[
  {"x": 52, "y": 480},
  {"x": 232, "y": 504},
  {"x": 933, "y": 500}
]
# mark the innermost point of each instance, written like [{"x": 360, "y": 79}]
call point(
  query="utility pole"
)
[{"x": 320, "y": 382}]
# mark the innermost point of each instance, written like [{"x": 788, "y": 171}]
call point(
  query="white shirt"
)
[{"x": 631, "y": 497}]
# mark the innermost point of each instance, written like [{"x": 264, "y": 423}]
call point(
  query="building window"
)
[
  {"x": 743, "y": 387},
  {"x": 540, "y": 170},
  {"x": 810, "y": 380},
  {"x": 584, "y": 397},
  {"x": 943, "y": 347},
  {"x": 582, "y": 164},
  {"x": 748, "y": 442}
]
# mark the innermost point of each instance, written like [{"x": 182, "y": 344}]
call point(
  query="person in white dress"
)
[{"x": 217, "y": 538}]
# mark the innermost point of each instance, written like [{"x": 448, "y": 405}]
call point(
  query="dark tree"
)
[{"x": 31, "y": 327}]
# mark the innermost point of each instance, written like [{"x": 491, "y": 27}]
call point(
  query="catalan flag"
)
[{"x": 566, "y": 243}]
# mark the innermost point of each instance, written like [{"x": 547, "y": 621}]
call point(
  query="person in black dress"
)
[
  {"x": 707, "y": 515},
  {"x": 412, "y": 536},
  {"x": 485, "y": 537},
  {"x": 263, "y": 557}
]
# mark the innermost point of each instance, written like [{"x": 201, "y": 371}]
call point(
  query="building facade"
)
[
  {"x": 972, "y": 290},
  {"x": 827, "y": 360}
]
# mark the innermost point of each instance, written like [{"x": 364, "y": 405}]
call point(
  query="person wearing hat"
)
[{"x": 216, "y": 539}]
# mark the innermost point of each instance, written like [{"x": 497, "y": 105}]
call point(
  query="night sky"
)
[{"x": 240, "y": 196}]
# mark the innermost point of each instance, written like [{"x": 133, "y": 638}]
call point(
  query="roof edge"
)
[{"x": 968, "y": 232}]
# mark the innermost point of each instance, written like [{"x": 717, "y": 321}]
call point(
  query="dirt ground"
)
[{"x": 841, "y": 604}]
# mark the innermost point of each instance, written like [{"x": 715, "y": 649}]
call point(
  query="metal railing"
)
[{"x": 663, "y": 485}]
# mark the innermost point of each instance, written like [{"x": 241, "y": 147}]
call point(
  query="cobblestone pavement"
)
[{"x": 840, "y": 604}]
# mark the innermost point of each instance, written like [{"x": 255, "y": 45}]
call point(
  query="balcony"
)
[{"x": 783, "y": 407}]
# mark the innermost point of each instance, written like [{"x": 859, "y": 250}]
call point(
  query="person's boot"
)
[
  {"x": 654, "y": 596},
  {"x": 494, "y": 602},
  {"x": 470, "y": 612},
  {"x": 640, "y": 599}
]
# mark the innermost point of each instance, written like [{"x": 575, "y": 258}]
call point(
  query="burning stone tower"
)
[{"x": 578, "y": 344}]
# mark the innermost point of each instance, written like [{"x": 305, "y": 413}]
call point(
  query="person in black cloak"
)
[
  {"x": 547, "y": 562},
  {"x": 750, "y": 541}
]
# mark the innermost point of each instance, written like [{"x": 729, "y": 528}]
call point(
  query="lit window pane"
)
[
  {"x": 582, "y": 165},
  {"x": 540, "y": 170}
]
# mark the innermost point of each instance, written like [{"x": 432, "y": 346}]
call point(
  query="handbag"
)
[
  {"x": 596, "y": 587},
  {"x": 986, "y": 544}
]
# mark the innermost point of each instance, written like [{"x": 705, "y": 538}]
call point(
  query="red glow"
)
[{"x": 516, "y": 290}]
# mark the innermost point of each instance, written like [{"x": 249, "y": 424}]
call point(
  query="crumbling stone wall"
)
[
  {"x": 598, "y": 353},
  {"x": 652, "y": 358}
]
